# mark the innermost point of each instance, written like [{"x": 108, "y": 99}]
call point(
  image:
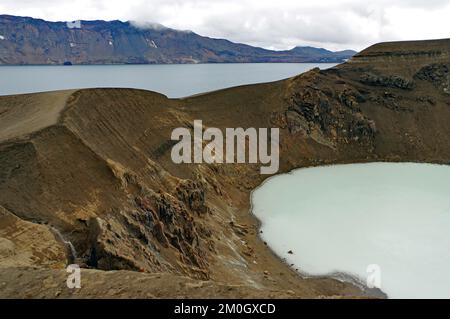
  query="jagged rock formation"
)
[
  {"x": 34, "y": 41},
  {"x": 94, "y": 166}
]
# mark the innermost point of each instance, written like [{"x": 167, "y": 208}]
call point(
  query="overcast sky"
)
[{"x": 273, "y": 24}]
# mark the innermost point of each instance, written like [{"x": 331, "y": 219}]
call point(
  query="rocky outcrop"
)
[
  {"x": 28, "y": 244},
  {"x": 438, "y": 74},
  {"x": 193, "y": 195}
]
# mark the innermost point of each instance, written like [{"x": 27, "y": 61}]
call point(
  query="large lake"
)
[
  {"x": 388, "y": 221},
  {"x": 172, "y": 80}
]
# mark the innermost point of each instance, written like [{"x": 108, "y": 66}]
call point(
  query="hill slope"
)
[
  {"x": 34, "y": 41},
  {"x": 98, "y": 173}
]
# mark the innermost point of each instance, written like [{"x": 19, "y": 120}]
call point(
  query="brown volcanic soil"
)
[{"x": 93, "y": 167}]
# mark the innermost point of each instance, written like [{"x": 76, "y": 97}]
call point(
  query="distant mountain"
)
[{"x": 26, "y": 40}]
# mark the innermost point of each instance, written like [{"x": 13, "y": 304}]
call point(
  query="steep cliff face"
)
[
  {"x": 92, "y": 167},
  {"x": 35, "y": 41}
]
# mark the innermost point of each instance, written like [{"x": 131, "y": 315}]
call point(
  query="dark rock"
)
[
  {"x": 35, "y": 41},
  {"x": 438, "y": 74}
]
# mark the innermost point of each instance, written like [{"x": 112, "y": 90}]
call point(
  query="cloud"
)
[{"x": 282, "y": 24}]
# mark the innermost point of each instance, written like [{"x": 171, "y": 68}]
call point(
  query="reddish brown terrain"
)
[
  {"x": 93, "y": 168},
  {"x": 25, "y": 40}
]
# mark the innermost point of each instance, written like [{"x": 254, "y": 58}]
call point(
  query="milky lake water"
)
[
  {"x": 343, "y": 218},
  {"x": 172, "y": 80}
]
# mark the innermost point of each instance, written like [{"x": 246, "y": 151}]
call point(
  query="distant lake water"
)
[{"x": 172, "y": 80}]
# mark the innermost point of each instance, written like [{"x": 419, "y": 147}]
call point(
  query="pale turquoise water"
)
[
  {"x": 344, "y": 218},
  {"x": 172, "y": 80}
]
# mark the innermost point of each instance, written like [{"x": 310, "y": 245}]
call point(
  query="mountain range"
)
[{"x": 25, "y": 40}]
